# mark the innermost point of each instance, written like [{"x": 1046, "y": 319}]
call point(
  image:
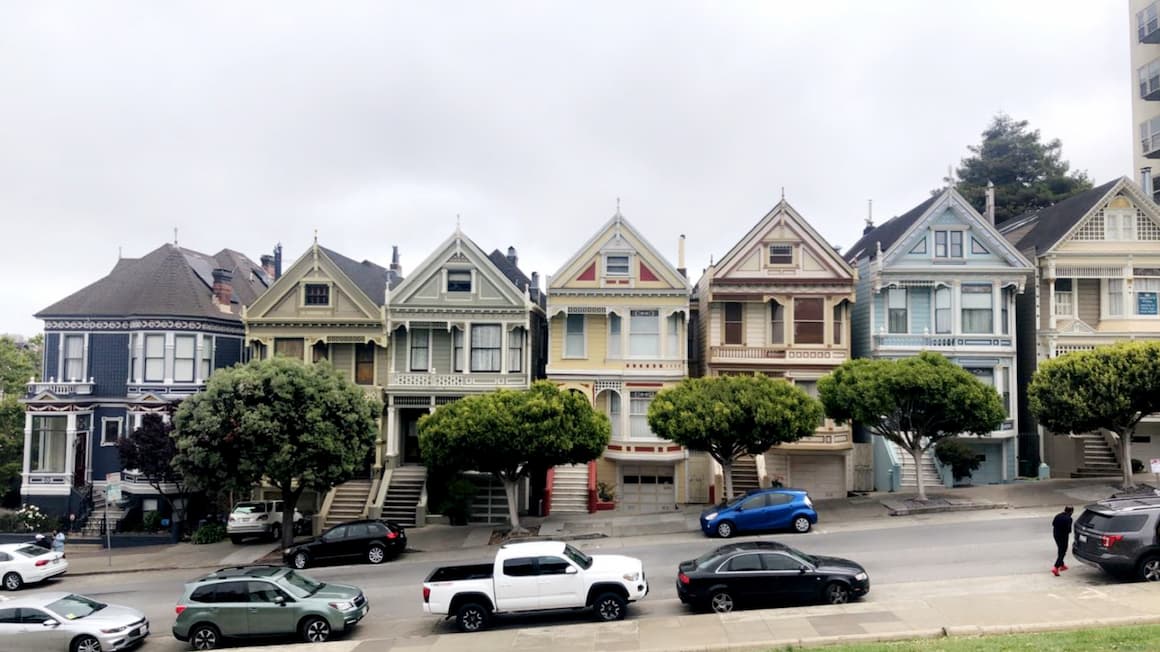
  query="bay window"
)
[
  {"x": 942, "y": 310},
  {"x": 614, "y": 329},
  {"x": 516, "y": 350},
  {"x": 486, "y": 347},
  {"x": 289, "y": 347},
  {"x": 154, "y": 358},
  {"x": 897, "y": 320},
  {"x": 839, "y": 321},
  {"x": 74, "y": 358},
  {"x": 364, "y": 363},
  {"x": 638, "y": 414},
  {"x": 184, "y": 356},
  {"x": 614, "y": 413},
  {"x": 457, "y": 349},
  {"x": 809, "y": 325},
  {"x": 574, "y": 336},
  {"x": 48, "y": 444},
  {"x": 644, "y": 333},
  {"x": 734, "y": 323},
  {"x": 1145, "y": 291},
  {"x": 978, "y": 309},
  {"x": 1115, "y": 305},
  {"x": 207, "y": 344},
  {"x": 673, "y": 335}
]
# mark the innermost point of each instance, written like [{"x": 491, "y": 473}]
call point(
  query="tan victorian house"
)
[
  {"x": 1097, "y": 280},
  {"x": 327, "y": 307},
  {"x": 618, "y": 322},
  {"x": 778, "y": 303}
]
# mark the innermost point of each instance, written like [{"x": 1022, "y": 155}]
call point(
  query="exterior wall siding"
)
[
  {"x": 109, "y": 363},
  {"x": 105, "y": 459},
  {"x": 51, "y": 356},
  {"x": 860, "y": 314}
]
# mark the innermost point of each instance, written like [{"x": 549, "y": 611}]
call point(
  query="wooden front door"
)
[{"x": 80, "y": 460}]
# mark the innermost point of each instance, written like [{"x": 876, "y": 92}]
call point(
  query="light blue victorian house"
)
[{"x": 941, "y": 278}]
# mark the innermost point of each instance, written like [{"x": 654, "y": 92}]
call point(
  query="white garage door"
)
[
  {"x": 824, "y": 476},
  {"x": 646, "y": 488}
]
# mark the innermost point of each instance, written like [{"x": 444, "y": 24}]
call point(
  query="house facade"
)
[
  {"x": 135, "y": 342},
  {"x": 618, "y": 316},
  {"x": 1097, "y": 278},
  {"x": 779, "y": 303},
  {"x": 941, "y": 278}
]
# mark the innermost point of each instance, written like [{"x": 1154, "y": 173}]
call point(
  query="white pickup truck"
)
[{"x": 534, "y": 576}]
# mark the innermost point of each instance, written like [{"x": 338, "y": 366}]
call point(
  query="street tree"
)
[
  {"x": 297, "y": 427},
  {"x": 1110, "y": 387},
  {"x": 19, "y": 363},
  {"x": 150, "y": 449},
  {"x": 731, "y": 416},
  {"x": 1028, "y": 173},
  {"x": 914, "y": 402},
  {"x": 511, "y": 433}
]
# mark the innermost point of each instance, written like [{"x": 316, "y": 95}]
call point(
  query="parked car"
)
[
  {"x": 264, "y": 601},
  {"x": 372, "y": 540},
  {"x": 761, "y": 509},
  {"x": 1121, "y": 536},
  {"x": 59, "y": 621},
  {"x": 26, "y": 563},
  {"x": 757, "y": 572},
  {"x": 259, "y": 518},
  {"x": 534, "y": 576}
]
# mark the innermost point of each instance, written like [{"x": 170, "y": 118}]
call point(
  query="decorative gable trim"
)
[
  {"x": 457, "y": 249},
  {"x": 758, "y": 238},
  {"x": 617, "y": 236},
  {"x": 646, "y": 274},
  {"x": 312, "y": 267},
  {"x": 588, "y": 274},
  {"x": 1124, "y": 186}
]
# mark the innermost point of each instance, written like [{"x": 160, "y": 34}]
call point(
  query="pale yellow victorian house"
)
[
  {"x": 618, "y": 333},
  {"x": 778, "y": 303}
]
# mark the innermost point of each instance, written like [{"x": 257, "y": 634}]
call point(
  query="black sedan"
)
[
  {"x": 370, "y": 540},
  {"x": 754, "y": 572}
]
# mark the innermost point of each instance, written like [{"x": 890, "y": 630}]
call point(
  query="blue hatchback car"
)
[{"x": 763, "y": 509}]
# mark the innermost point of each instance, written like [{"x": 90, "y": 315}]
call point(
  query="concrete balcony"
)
[
  {"x": 822, "y": 441},
  {"x": 456, "y": 381},
  {"x": 757, "y": 355},
  {"x": 62, "y": 389}
]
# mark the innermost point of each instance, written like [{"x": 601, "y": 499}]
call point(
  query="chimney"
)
[
  {"x": 268, "y": 265},
  {"x": 223, "y": 287},
  {"x": 1146, "y": 181},
  {"x": 536, "y": 280},
  {"x": 278, "y": 261},
  {"x": 990, "y": 209},
  {"x": 395, "y": 266},
  {"x": 681, "y": 256},
  {"x": 512, "y": 258}
]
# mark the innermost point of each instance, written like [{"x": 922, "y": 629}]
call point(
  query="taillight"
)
[
  {"x": 41, "y": 562},
  {"x": 392, "y": 535},
  {"x": 683, "y": 579},
  {"x": 1111, "y": 539},
  {"x": 178, "y": 609},
  {"x": 426, "y": 594}
]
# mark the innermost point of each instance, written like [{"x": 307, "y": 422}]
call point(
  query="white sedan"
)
[{"x": 25, "y": 563}]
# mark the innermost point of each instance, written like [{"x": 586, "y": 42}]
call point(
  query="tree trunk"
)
[
  {"x": 728, "y": 470},
  {"x": 1126, "y": 457},
  {"x": 916, "y": 453},
  {"x": 289, "y": 504},
  {"x": 509, "y": 489}
]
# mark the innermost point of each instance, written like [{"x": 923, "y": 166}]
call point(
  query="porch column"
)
[
  {"x": 503, "y": 346},
  {"x": 466, "y": 349},
  {"x": 392, "y": 445},
  {"x": 70, "y": 443},
  {"x": 1051, "y": 306},
  {"x": 27, "y": 446}
]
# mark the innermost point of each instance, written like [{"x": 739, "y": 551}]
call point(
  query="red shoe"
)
[
  {"x": 1055, "y": 572},
  {"x": 1063, "y": 568}
]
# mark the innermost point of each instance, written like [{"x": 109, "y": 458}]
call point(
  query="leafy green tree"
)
[
  {"x": 150, "y": 449},
  {"x": 913, "y": 402},
  {"x": 295, "y": 426},
  {"x": 1027, "y": 172},
  {"x": 731, "y": 416},
  {"x": 11, "y": 442},
  {"x": 18, "y": 364},
  {"x": 511, "y": 433},
  {"x": 1111, "y": 387}
]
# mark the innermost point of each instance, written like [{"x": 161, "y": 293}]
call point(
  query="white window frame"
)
[
  {"x": 1119, "y": 224},
  {"x": 1153, "y": 287},
  {"x": 781, "y": 246},
  {"x": 457, "y": 356},
  {"x": 574, "y": 337},
  {"x": 515, "y": 350},
  {"x": 963, "y": 307},
  {"x": 1065, "y": 300},
  {"x": 1112, "y": 288},
  {"x": 37, "y": 463},
  {"x": 458, "y": 274},
  {"x": 1148, "y": 76},
  {"x": 412, "y": 349},
  {"x": 1146, "y": 22},
  {"x": 120, "y": 421},
  {"x": 306, "y": 285},
  {"x": 637, "y": 336},
  {"x": 615, "y": 333},
  {"x": 477, "y": 331},
  {"x": 191, "y": 359},
  {"x": 1150, "y": 135},
  {"x": 949, "y": 308},
  {"x": 637, "y": 420},
  {"x": 612, "y": 268},
  {"x": 71, "y": 375},
  {"x": 948, "y": 244},
  {"x": 146, "y": 357},
  {"x": 205, "y": 355},
  {"x": 673, "y": 336},
  {"x": 905, "y": 308}
]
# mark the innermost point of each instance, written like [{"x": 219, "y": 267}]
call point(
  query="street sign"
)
[
  {"x": 112, "y": 493},
  {"x": 1156, "y": 465}
]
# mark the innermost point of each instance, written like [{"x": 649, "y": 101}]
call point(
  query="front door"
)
[
  {"x": 80, "y": 460},
  {"x": 411, "y": 452}
]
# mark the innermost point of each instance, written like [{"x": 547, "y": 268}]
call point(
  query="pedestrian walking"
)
[
  {"x": 1060, "y": 530},
  {"x": 41, "y": 541},
  {"x": 58, "y": 542}
]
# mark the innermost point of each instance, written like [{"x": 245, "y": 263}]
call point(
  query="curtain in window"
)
[
  {"x": 290, "y": 348},
  {"x": 574, "y": 336},
  {"x": 1115, "y": 297},
  {"x": 183, "y": 358},
  {"x": 838, "y": 327},
  {"x": 978, "y": 312},
  {"x": 614, "y": 413},
  {"x": 74, "y": 357},
  {"x": 897, "y": 320},
  {"x": 420, "y": 341},
  {"x": 777, "y": 323},
  {"x": 614, "y": 335},
  {"x": 486, "y": 347},
  {"x": 673, "y": 333},
  {"x": 638, "y": 415},
  {"x": 207, "y": 355},
  {"x": 154, "y": 357},
  {"x": 809, "y": 326},
  {"x": 457, "y": 349},
  {"x": 942, "y": 310},
  {"x": 49, "y": 441},
  {"x": 644, "y": 333},
  {"x": 516, "y": 350}
]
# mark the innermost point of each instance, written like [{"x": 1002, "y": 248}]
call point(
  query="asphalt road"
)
[{"x": 905, "y": 560}]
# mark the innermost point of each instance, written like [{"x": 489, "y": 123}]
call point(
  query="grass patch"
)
[{"x": 1143, "y": 638}]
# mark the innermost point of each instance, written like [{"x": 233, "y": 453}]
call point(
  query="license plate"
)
[{"x": 1082, "y": 538}]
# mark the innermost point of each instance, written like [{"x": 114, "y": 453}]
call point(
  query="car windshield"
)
[
  {"x": 304, "y": 586},
  {"x": 73, "y": 607},
  {"x": 582, "y": 560},
  {"x": 249, "y": 508}
]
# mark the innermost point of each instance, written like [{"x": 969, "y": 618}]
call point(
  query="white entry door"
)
[{"x": 646, "y": 488}]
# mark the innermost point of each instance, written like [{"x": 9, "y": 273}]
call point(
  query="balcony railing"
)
[
  {"x": 888, "y": 340},
  {"x": 457, "y": 380},
  {"x": 62, "y": 388},
  {"x": 757, "y": 354},
  {"x": 820, "y": 440},
  {"x": 45, "y": 478}
]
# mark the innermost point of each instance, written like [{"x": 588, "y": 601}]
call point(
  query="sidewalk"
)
[{"x": 93, "y": 560}]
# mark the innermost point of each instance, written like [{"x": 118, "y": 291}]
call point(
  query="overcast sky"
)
[{"x": 247, "y": 124}]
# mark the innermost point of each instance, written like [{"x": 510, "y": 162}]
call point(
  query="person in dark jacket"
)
[
  {"x": 43, "y": 542},
  {"x": 1061, "y": 530}
]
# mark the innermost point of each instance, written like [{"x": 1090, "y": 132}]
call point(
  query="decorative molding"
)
[{"x": 142, "y": 324}]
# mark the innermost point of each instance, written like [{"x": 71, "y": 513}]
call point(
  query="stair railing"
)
[
  {"x": 379, "y": 495},
  {"x": 1112, "y": 441}
]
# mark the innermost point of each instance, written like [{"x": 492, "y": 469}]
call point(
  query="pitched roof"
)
[
  {"x": 372, "y": 279},
  {"x": 888, "y": 232},
  {"x": 516, "y": 276},
  {"x": 167, "y": 282},
  {"x": 1040, "y": 229}
]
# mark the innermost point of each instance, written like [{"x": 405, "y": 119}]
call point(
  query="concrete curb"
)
[
  {"x": 975, "y": 507},
  {"x": 143, "y": 569}
]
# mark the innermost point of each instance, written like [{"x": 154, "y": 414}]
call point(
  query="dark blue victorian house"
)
[{"x": 135, "y": 342}]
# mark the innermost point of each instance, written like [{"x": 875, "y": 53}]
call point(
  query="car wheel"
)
[
  {"x": 1150, "y": 569},
  {"x": 376, "y": 554},
  {"x": 315, "y": 630},
  {"x": 801, "y": 524},
  {"x": 836, "y": 593},
  {"x": 609, "y": 606},
  {"x": 237, "y": 539},
  {"x": 276, "y": 532},
  {"x": 85, "y": 643},
  {"x": 721, "y": 602},
  {"x": 13, "y": 581},
  {"x": 300, "y": 560},
  {"x": 725, "y": 529},
  {"x": 204, "y": 637},
  {"x": 472, "y": 617}
]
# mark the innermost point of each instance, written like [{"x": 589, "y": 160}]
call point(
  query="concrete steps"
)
[
  {"x": 909, "y": 475},
  {"x": 570, "y": 489},
  {"x": 1099, "y": 460},
  {"x": 403, "y": 494},
  {"x": 745, "y": 475},
  {"x": 92, "y": 525},
  {"x": 349, "y": 503}
]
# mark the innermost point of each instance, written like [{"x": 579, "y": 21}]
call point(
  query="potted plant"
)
[
  {"x": 457, "y": 504},
  {"x": 605, "y": 496}
]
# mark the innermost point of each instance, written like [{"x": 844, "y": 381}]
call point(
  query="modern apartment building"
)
[{"x": 1144, "y": 54}]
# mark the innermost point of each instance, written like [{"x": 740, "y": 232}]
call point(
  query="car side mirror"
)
[
  {"x": 50, "y": 623},
  {"x": 803, "y": 569},
  {"x": 280, "y": 601},
  {"x": 571, "y": 570}
]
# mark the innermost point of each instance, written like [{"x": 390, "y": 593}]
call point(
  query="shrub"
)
[
  {"x": 209, "y": 533},
  {"x": 151, "y": 521},
  {"x": 30, "y": 518},
  {"x": 957, "y": 455},
  {"x": 1137, "y": 466},
  {"x": 457, "y": 503},
  {"x": 9, "y": 522}
]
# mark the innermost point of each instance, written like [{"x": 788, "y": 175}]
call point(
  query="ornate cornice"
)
[
  {"x": 617, "y": 292},
  {"x": 142, "y": 325}
]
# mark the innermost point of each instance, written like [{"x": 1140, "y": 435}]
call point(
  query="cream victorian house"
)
[
  {"x": 618, "y": 321},
  {"x": 1097, "y": 278},
  {"x": 778, "y": 303}
]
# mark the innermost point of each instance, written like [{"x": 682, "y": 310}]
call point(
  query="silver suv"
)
[
  {"x": 259, "y": 518},
  {"x": 1121, "y": 536}
]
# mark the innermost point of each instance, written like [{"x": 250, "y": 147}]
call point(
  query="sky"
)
[{"x": 374, "y": 124}]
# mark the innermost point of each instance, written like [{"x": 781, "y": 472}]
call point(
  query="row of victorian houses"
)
[{"x": 617, "y": 322}]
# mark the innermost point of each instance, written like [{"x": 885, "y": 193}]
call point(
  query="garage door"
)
[
  {"x": 646, "y": 488},
  {"x": 824, "y": 476}
]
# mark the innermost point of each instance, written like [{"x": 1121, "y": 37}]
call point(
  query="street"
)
[{"x": 976, "y": 553}]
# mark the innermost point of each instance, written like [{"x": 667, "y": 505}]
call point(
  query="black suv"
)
[{"x": 1121, "y": 536}]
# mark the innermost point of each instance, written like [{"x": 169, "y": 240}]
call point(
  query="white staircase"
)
[
  {"x": 92, "y": 526},
  {"x": 403, "y": 492},
  {"x": 745, "y": 475},
  {"x": 570, "y": 489},
  {"x": 930, "y": 476},
  {"x": 350, "y": 499},
  {"x": 1098, "y": 459}
]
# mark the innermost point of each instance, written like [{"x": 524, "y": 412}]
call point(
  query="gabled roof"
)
[
  {"x": 167, "y": 282},
  {"x": 888, "y": 232},
  {"x": 613, "y": 240},
  {"x": 372, "y": 279},
  {"x": 459, "y": 245},
  {"x": 1041, "y": 229},
  {"x": 783, "y": 207},
  {"x": 516, "y": 276}
]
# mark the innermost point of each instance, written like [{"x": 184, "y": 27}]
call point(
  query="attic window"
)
[
  {"x": 780, "y": 254},
  {"x": 317, "y": 294},
  {"x": 616, "y": 265},
  {"x": 459, "y": 280}
]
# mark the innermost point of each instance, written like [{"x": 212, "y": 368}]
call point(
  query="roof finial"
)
[
  {"x": 457, "y": 222},
  {"x": 869, "y": 211},
  {"x": 783, "y": 193},
  {"x": 175, "y": 236},
  {"x": 315, "y": 236},
  {"x": 618, "y": 205}
]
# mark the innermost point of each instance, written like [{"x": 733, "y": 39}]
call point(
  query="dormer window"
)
[
  {"x": 317, "y": 294},
  {"x": 616, "y": 265},
  {"x": 459, "y": 280},
  {"x": 780, "y": 254},
  {"x": 948, "y": 244}
]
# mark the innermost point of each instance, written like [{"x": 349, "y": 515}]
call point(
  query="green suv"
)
[{"x": 264, "y": 601}]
